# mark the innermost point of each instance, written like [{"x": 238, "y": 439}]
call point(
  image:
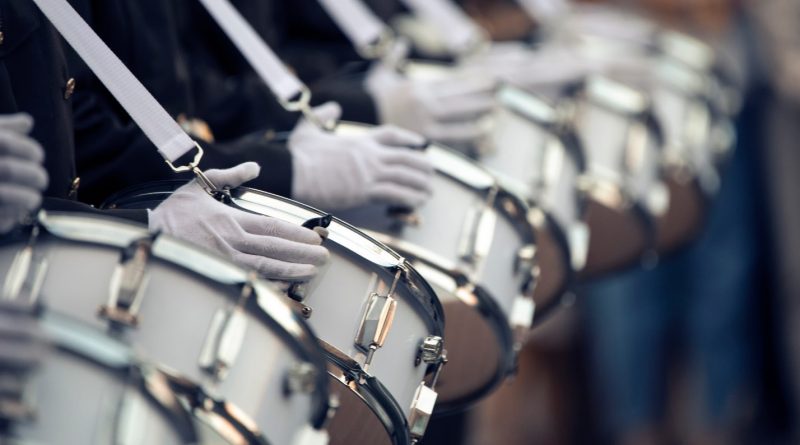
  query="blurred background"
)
[{"x": 703, "y": 348}]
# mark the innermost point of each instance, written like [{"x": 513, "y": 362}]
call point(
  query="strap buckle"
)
[
  {"x": 193, "y": 167},
  {"x": 302, "y": 103},
  {"x": 379, "y": 48}
]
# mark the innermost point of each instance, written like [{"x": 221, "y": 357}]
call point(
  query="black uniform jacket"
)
[
  {"x": 112, "y": 153},
  {"x": 34, "y": 78},
  {"x": 305, "y": 38}
]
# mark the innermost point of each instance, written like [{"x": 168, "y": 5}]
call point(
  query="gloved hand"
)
[
  {"x": 447, "y": 109},
  {"x": 548, "y": 66},
  {"x": 276, "y": 249},
  {"x": 22, "y": 176},
  {"x": 336, "y": 172}
]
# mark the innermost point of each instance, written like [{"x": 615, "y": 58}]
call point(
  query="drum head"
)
[
  {"x": 618, "y": 241},
  {"x": 480, "y": 351},
  {"x": 367, "y": 414},
  {"x": 684, "y": 217}
]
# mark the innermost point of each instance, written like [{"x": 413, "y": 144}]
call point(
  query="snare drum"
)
[
  {"x": 381, "y": 324},
  {"x": 533, "y": 154},
  {"x": 91, "y": 389},
  {"x": 474, "y": 242},
  {"x": 693, "y": 102},
  {"x": 621, "y": 143},
  {"x": 212, "y": 322}
]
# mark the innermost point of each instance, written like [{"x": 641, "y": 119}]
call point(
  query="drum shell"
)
[
  {"x": 75, "y": 402},
  {"x": 528, "y": 156},
  {"x": 358, "y": 267},
  {"x": 77, "y": 284}
]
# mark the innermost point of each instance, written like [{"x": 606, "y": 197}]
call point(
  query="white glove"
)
[
  {"x": 448, "y": 108},
  {"x": 276, "y": 249},
  {"x": 336, "y": 171},
  {"x": 22, "y": 176},
  {"x": 549, "y": 66}
]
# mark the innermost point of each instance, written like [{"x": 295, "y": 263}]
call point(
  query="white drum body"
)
[
  {"x": 696, "y": 137},
  {"x": 366, "y": 298},
  {"x": 528, "y": 155},
  {"x": 473, "y": 241},
  {"x": 357, "y": 281},
  {"x": 621, "y": 145},
  {"x": 182, "y": 308},
  {"x": 90, "y": 389},
  {"x": 470, "y": 223}
]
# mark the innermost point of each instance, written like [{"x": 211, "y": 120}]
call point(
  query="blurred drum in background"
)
[
  {"x": 242, "y": 343},
  {"x": 554, "y": 208},
  {"x": 473, "y": 242},
  {"x": 532, "y": 152},
  {"x": 621, "y": 143},
  {"x": 380, "y": 324}
]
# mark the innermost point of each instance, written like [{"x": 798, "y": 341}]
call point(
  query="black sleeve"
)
[
  {"x": 347, "y": 88},
  {"x": 227, "y": 92},
  {"x": 65, "y": 205},
  {"x": 112, "y": 153}
]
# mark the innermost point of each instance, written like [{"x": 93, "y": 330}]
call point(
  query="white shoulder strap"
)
[
  {"x": 290, "y": 91},
  {"x": 285, "y": 85},
  {"x": 361, "y": 26},
  {"x": 172, "y": 142}
]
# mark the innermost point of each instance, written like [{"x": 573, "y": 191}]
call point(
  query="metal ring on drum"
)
[
  {"x": 380, "y": 323},
  {"x": 222, "y": 330}
]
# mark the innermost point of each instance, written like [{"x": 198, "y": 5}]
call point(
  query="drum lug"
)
[
  {"x": 300, "y": 378},
  {"x": 15, "y": 405},
  {"x": 375, "y": 325},
  {"x": 226, "y": 336},
  {"x": 523, "y": 310},
  {"x": 526, "y": 259},
  {"x": 26, "y": 275},
  {"x": 478, "y": 231},
  {"x": 128, "y": 283},
  {"x": 430, "y": 350},
  {"x": 223, "y": 342},
  {"x": 421, "y": 411}
]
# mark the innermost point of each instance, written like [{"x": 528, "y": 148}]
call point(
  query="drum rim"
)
[
  {"x": 274, "y": 314},
  {"x": 371, "y": 392}
]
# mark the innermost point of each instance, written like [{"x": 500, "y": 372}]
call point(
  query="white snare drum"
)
[
  {"x": 533, "y": 153},
  {"x": 212, "y": 322},
  {"x": 379, "y": 321},
  {"x": 697, "y": 136},
  {"x": 91, "y": 389},
  {"x": 622, "y": 145},
  {"x": 471, "y": 239}
]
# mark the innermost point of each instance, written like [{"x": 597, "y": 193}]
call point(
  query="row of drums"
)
[{"x": 148, "y": 340}]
